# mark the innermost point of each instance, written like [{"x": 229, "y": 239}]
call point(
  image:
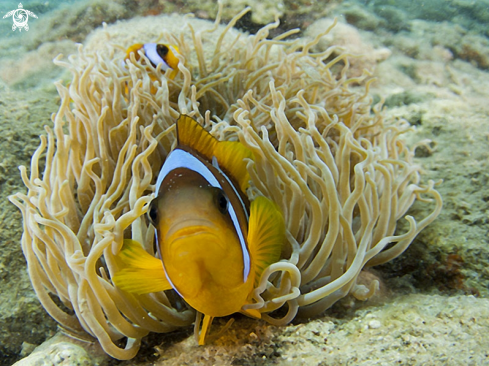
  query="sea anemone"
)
[{"x": 340, "y": 173}]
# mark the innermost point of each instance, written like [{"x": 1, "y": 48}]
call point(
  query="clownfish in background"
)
[
  {"x": 157, "y": 54},
  {"x": 213, "y": 249}
]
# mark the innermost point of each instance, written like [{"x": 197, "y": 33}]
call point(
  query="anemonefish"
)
[
  {"x": 212, "y": 248},
  {"x": 157, "y": 54}
]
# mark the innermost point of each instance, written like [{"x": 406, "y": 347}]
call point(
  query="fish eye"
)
[
  {"x": 222, "y": 201},
  {"x": 153, "y": 212}
]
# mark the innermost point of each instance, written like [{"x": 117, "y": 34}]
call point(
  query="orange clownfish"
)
[
  {"x": 157, "y": 54},
  {"x": 213, "y": 249}
]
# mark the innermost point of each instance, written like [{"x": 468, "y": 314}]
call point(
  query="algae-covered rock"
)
[
  {"x": 406, "y": 98},
  {"x": 22, "y": 318},
  {"x": 361, "y": 17},
  {"x": 345, "y": 36},
  {"x": 410, "y": 330},
  {"x": 64, "y": 351}
]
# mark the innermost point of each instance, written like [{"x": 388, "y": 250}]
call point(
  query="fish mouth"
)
[{"x": 191, "y": 227}]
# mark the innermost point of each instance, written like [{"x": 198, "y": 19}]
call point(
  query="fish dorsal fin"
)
[
  {"x": 191, "y": 134},
  {"x": 142, "y": 273},
  {"x": 266, "y": 234},
  {"x": 230, "y": 155}
]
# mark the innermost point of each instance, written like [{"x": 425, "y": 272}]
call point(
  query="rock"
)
[
  {"x": 349, "y": 38},
  {"x": 64, "y": 351}
]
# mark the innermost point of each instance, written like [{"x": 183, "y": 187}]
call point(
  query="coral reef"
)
[
  {"x": 419, "y": 37},
  {"x": 362, "y": 54},
  {"x": 74, "y": 21}
]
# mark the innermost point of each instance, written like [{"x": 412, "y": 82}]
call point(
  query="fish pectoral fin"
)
[
  {"x": 266, "y": 234},
  {"x": 143, "y": 273},
  {"x": 232, "y": 157},
  {"x": 141, "y": 281}
]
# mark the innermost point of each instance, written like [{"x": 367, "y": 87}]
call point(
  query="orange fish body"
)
[
  {"x": 213, "y": 248},
  {"x": 187, "y": 237},
  {"x": 157, "y": 54}
]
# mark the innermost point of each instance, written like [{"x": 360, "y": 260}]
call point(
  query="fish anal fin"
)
[
  {"x": 191, "y": 134},
  {"x": 252, "y": 313},
  {"x": 142, "y": 273},
  {"x": 266, "y": 234}
]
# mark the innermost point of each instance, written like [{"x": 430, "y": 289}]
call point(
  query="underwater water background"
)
[{"x": 431, "y": 61}]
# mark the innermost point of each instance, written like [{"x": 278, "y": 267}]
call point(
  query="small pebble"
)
[{"x": 374, "y": 324}]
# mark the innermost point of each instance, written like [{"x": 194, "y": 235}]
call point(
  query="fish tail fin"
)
[
  {"x": 134, "y": 48},
  {"x": 142, "y": 273},
  {"x": 266, "y": 234}
]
